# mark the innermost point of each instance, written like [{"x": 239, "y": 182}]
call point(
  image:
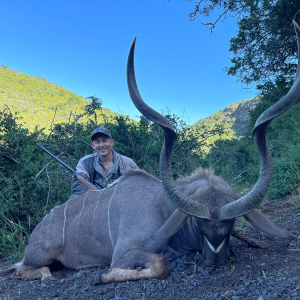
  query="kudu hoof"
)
[{"x": 98, "y": 277}]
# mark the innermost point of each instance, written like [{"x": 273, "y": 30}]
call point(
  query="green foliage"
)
[
  {"x": 31, "y": 184},
  {"x": 93, "y": 108},
  {"x": 264, "y": 55},
  {"x": 279, "y": 218},
  {"x": 237, "y": 160},
  {"x": 286, "y": 178},
  {"x": 229, "y": 123},
  {"x": 211, "y": 130},
  {"x": 264, "y": 48},
  {"x": 232, "y": 266},
  {"x": 40, "y": 103},
  {"x": 19, "y": 162}
]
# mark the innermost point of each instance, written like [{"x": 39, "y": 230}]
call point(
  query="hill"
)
[
  {"x": 235, "y": 118},
  {"x": 239, "y": 115},
  {"x": 36, "y": 99}
]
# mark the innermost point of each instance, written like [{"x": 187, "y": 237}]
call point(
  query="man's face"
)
[{"x": 102, "y": 145}]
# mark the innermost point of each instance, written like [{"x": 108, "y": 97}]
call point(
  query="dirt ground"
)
[{"x": 253, "y": 273}]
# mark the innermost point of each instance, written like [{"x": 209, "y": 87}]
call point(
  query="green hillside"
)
[
  {"x": 36, "y": 99},
  {"x": 31, "y": 184},
  {"x": 235, "y": 118}
]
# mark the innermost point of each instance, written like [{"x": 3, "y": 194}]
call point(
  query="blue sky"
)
[{"x": 83, "y": 46}]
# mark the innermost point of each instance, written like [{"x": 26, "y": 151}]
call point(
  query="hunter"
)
[{"x": 104, "y": 166}]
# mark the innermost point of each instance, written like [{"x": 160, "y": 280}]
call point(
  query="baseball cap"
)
[{"x": 102, "y": 130}]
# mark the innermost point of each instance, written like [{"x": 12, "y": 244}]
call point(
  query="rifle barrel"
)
[
  {"x": 89, "y": 185},
  {"x": 65, "y": 165}
]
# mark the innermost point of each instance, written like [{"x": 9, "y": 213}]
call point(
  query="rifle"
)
[{"x": 76, "y": 175}]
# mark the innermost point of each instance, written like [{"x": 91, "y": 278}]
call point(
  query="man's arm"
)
[
  {"x": 127, "y": 164},
  {"x": 134, "y": 166},
  {"x": 77, "y": 187},
  {"x": 82, "y": 170}
]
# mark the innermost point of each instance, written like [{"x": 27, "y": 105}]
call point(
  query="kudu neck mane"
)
[
  {"x": 200, "y": 179},
  {"x": 205, "y": 179}
]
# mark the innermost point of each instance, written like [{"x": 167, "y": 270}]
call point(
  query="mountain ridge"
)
[
  {"x": 37, "y": 101},
  {"x": 237, "y": 115}
]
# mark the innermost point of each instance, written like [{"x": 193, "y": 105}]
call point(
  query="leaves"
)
[
  {"x": 39, "y": 102},
  {"x": 31, "y": 184},
  {"x": 264, "y": 48}
]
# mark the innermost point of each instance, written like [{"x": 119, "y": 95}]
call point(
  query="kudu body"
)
[{"x": 133, "y": 223}]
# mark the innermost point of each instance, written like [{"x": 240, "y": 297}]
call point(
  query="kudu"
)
[{"x": 132, "y": 224}]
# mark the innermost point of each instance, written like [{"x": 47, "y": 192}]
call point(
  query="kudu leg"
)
[
  {"x": 157, "y": 267},
  {"x": 31, "y": 274}
]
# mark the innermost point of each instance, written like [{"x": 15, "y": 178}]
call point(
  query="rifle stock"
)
[{"x": 85, "y": 182}]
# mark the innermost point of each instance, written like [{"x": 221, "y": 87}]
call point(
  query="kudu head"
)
[{"x": 215, "y": 221}]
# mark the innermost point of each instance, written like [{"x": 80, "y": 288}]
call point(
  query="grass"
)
[{"x": 13, "y": 238}]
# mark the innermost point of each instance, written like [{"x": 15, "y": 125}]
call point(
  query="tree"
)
[
  {"x": 232, "y": 8},
  {"x": 265, "y": 56},
  {"x": 265, "y": 47},
  {"x": 93, "y": 107}
]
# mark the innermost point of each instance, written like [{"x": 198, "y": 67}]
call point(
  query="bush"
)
[
  {"x": 31, "y": 184},
  {"x": 286, "y": 177}
]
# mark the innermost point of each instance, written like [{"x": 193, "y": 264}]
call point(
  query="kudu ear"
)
[
  {"x": 171, "y": 226},
  {"x": 261, "y": 222}
]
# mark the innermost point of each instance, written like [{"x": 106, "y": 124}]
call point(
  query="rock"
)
[
  {"x": 176, "y": 277},
  {"x": 204, "y": 273}
]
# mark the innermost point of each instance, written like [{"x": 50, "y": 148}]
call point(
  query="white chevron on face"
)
[{"x": 213, "y": 248}]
